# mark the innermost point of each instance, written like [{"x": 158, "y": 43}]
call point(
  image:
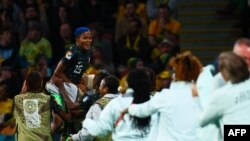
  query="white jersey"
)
[
  {"x": 177, "y": 110},
  {"x": 206, "y": 84},
  {"x": 229, "y": 105},
  {"x": 124, "y": 130},
  {"x": 93, "y": 113}
]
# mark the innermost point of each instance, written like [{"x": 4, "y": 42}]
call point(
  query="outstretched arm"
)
[
  {"x": 93, "y": 113},
  {"x": 213, "y": 111},
  {"x": 104, "y": 124},
  {"x": 155, "y": 104}
]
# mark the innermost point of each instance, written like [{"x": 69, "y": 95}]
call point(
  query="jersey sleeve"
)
[
  {"x": 104, "y": 124},
  {"x": 69, "y": 56},
  {"x": 156, "y": 104},
  {"x": 213, "y": 111}
]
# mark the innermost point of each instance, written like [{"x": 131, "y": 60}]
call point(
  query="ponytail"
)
[{"x": 140, "y": 83}]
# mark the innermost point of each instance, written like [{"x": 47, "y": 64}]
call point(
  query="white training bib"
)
[{"x": 32, "y": 117}]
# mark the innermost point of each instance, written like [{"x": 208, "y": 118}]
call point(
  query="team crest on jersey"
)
[{"x": 68, "y": 55}]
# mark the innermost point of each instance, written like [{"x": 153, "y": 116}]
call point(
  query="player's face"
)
[
  {"x": 103, "y": 89},
  {"x": 243, "y": 52},
  {"x": 84, "y": 40}
]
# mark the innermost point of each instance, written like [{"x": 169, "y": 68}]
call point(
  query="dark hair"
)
[
  {"x": 5, "y": 26},
  {"x": 112, "y": 83},
  {"x": 163, "y": 6},
  {"x": 234, "y": 66},
  {"x": 137, "y": 21},
  {"x": 7, "y": 83},
  {"x": 152, "y": 77},
  {"x": 33, "y": 4},
  {"x": 36, "y": 8},
  {"x": 139, "y": 81},
  {"x": 98, "y": 78},
  {"x": 126, "y": 2},
  {"x": 36, "y": 25},
  {"x": 61, "y": 5},
  {"x": 244, "y": 41},
  {"x": 34, "y": 82},
  {"x": 96, "y": 26}
]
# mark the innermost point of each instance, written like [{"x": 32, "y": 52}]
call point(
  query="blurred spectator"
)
[
  {"x": 11, "y": 12},
  {"x": 132, "y": 63},
  {"x": 140, "y": 9},
  {"x": 5, "y": 73},
  {"x": 163, "y": 22},
  {"x": 63, "y": 42},
  {"x": 66, "y": 35},
  {"x": 63, "y": 14},
  {"x": 164, "y": 46},
  {"x": 7, "y": 121},
  {"x": 99, "y": 40},
  {"x": 14, "y": 80},
  {"x": 60, "y": 15},
  {"x": 122, "y": 24},
  {"x": 42, "y": 67},
  {"x": 99, "y": 11},
  {"x": 161, "y": 55},
  {"x": 32, "y": 13},
  {"x": 152, "y": 7},
  {"x": 163, "y": 80},
  {"x": 5, "y": 86},
  {"x": 34, "y": 44},
  {"x": 75, "y": 12},
  {"x": 133, "y": 44},
  {"x": 174, "y": 38},
  {"x": 8, "y": 47},
  {"x": 99, "y": 60},
  {"x": 38, "y": 4},
  {"x": 173, "y": 8},
  {"x": 10, "y": 85}
]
